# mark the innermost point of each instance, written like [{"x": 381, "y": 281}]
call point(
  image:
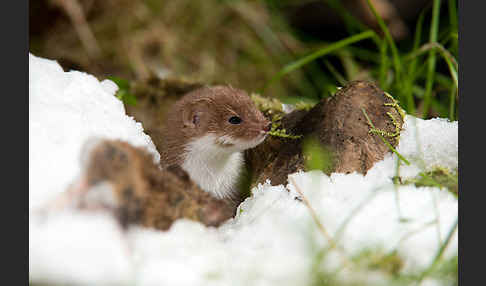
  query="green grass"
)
[
  {"x": 123, "y": 92},
  {"x": 438, "y": 177},
  {"x": 320, "y": 53},
  {"x": 388, "y": 265},
  {"x": 421, "y": 72}
]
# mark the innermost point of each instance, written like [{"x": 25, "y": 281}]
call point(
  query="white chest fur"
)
[{"x": 214, "y": 168}]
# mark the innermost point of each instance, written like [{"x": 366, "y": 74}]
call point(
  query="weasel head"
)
[{"x": 226, "y": 114}]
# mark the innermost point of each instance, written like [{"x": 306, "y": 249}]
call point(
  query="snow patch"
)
[{"x": 65, "y": 110}]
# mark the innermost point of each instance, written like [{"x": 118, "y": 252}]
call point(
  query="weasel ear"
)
[
  {"x": 187, "y": 116},
  {"x": 192, "y": 115},
  {"x": 191, "y": 118}
]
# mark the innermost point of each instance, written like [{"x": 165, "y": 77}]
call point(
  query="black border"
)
[
  {"x": 14, "y": 118},
  {"x": 471, "y": 108}
]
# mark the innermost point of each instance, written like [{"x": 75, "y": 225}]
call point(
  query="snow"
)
[
  {"x": 273, "y": 240},
  {"x": 84, "y": 248},
  {"x": 421, "y": 143},
  {"x": 66, "y": 109}
]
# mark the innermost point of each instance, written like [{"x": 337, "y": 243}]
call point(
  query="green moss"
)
[
  {"x": 280, "y": 132},
  {"x": 438, "y": 177},
  {"x": 266, "y": 104},
  {"x": 395, "y": 105},
  {"x": 272, "y": 107},
  {"x": 393, "y": 135},
  {"x": 303, "y": 105}
]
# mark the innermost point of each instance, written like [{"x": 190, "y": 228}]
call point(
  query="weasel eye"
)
[{"x": 234, "y": 120}]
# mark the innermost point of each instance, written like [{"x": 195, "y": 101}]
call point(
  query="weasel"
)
[{"x": 206, "y": 132}]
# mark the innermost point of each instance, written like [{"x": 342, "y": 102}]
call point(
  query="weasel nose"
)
[{"x": 268, "y": 127}]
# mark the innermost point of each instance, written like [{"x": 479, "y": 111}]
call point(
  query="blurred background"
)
[{"x": 288, "y": 49}]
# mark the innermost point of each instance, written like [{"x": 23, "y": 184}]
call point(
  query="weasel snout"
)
[{"x": 267, "y": 127}]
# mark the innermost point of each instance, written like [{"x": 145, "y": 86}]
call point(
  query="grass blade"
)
[
  {"x": 434, "y": 28},
  {"x": 450, "y": 60},
  {"x": 319, "y": 53},
  {"x": 452, "y": 104},
  {"x": 364, "y": 54},
  {"x": 453, "y": 15},
  {"x": 352, "y": 24},
  {"x": 396, "y": 58},
  {"x": 453, "y": 26},
  {"x": 383, "y": 65},
  {"x": 409, "y": 82},
  {"x": 340, "y": 78}
]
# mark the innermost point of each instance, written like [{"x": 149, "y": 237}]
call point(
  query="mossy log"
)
[{"x": 340, "y": 125}]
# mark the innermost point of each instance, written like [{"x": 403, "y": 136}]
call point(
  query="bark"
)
[{"x": 340, "y": 126}]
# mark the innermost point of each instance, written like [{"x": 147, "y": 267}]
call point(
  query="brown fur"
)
[
  {"x": 146, "y": 195},
  {"x": 212, "y": 106}
]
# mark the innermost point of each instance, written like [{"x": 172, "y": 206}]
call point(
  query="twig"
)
[
  {"x": 319, "y": 224},
  {"x": 75, "y": 12},
  {"x": 313, "y": 214}
]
